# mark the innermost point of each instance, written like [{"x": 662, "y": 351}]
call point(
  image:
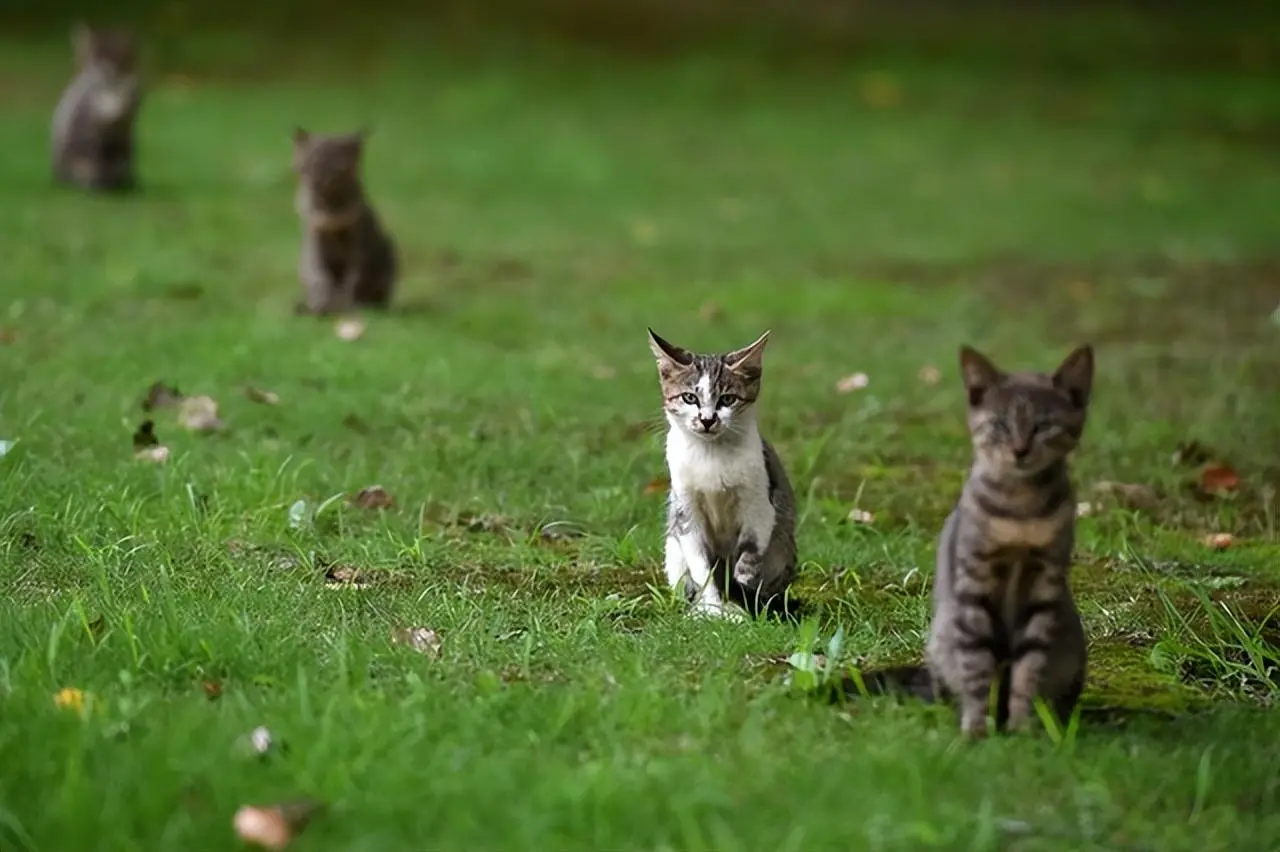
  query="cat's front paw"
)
[{"x": 746, "y": 571}]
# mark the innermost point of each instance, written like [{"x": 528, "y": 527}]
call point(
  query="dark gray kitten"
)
[
  {"x": 731, "y": 512},
  {"x": 348, "y": 260},
  {"x": 1003, "y": 613},
  {"x": 93, "y": 124}
]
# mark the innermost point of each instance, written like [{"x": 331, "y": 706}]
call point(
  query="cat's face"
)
[
  {"x": 329, "y": 165},
  {"x": 710, "y": 397},
  {"x": 1022, "y": 423},
  {"x": 110, "y": 56}
]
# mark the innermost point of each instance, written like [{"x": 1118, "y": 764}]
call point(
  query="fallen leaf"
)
[
  {"x": 710, "y": 311},
  {"x": 853, "y": 382},
  {"x": 160, "y": 395},
  {"x": 1129, "y": 495},
  {"x": 1220, "y": 477},
  {"x": 861, "y": 516},
  {"x": 272, "y": 826},
  {"x": 929, "y": 374},
  {"x": 158, "y": 454},
  {"x": 212, "y": 689},
  {"x": 258, "y": 395},
  {"x": 1220, "y": 541},
  {"x": 199, "y": 413},
  {"x": 6, "y": 446},
  {"x": 260, "y": 740},
  {"x": 298, "y": 515},
  {"x": 344, "y": 577},
  {"x": 70, "y": 698},
  {"x": 373, "y": 497},
  {"x": 349, "y": 329},
  {"x": 658, "y": 485},
  {"x": 421, "y": 639}
]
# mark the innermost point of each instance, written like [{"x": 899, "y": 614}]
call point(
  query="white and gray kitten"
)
[{"x": 731, "y": 512}]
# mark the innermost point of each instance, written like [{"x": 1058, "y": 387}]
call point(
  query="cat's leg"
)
[
  {"x": 758, "y": 518},
  {"x": 1029, "y": 664}
]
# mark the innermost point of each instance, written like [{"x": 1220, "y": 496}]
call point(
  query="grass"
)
[{"x": 549, "y": 206}]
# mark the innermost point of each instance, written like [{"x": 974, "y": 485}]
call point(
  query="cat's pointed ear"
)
[
  {"x": 979, "y": 374},
  {"x": 669, "y": 352},
  {"x": 1075, "y": 375},
  {"x": 300, "y": 137},
  {"x": 748, "y": 359},
  {"x": 82, "y": 42}
]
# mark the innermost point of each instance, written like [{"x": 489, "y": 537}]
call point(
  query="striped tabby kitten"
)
[
  {"x": 731, "y": 512},
  {"x": 348, "y": 260},
  {"x": 1003, "y": 612},
  {"x": 92, "y": 133}
]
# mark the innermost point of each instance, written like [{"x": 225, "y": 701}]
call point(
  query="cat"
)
[
  {"x": 1003, "y": 613},
  {"x": 92, "y": 137},
  {"x": 348, "y": 260},
  {"x": 731, "y": 512}
]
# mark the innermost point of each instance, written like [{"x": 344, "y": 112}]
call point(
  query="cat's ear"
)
[
  {"x": 979, "y": 374},
  {"x": 669, "y": 352},
  {"x": 82, "y": 42},
  {"x": 1075, "y": 375},
  {"x": 748, "y": 359},
  {"x": 300, "y": 137}
]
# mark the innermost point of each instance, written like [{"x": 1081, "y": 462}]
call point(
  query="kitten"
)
[
  {"x": 731, "y": 511},
  {"x": 1003, "y": 613},
  {"x": 93, "y": 124},
  {"x": 348, "y": 260}
]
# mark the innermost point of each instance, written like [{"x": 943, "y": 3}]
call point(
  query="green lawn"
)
[{"x": 549, "y": 207}]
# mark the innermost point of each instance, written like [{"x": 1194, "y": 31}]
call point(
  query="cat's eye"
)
[
  {"x": 689, "y": 399},
  {"x": 727, "y": 401}
]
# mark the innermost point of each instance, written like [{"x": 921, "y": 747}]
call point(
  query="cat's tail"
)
[{"x": 897, "y": 680}]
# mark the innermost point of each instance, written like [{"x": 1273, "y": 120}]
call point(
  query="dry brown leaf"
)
[
  {"x": 421, "y": 639},
  {"x": 373, "y": 497},
  {"x": 199, "y": 414},
  {"x": 929, "y": 374},
  {"x": 272, "y": 826},
  {"x": 657, "y": 485},
  {"x": 159, "y": 454},
  {"x": 1129, "y": 495},
  {"x": 853, "y": 382},
  {"x": 1220, "y": 541},
  {"x": 349, "y": 329},
  {"x": 1218, "y": 478},
  {"x": 160, "y": 395},
  {"x": 213, "y": 689},
  {"x": 344, "y": 577},
  {"x": 258, "y": 395},
  {"x": 861, "y": 516}
]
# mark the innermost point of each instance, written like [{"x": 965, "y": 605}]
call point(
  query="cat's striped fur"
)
[
  {"x": 1003, "y": 615},
  {"x": 348, "y": 259}
]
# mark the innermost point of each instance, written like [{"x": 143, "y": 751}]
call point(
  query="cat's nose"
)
[
  {"x": 1020, "y": 451},
  {"x": 707, "y": 422}
]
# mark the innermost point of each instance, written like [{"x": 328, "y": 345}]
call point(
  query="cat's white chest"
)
[{"x": 715, "y": 482}]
